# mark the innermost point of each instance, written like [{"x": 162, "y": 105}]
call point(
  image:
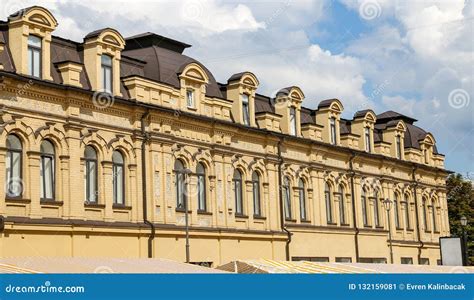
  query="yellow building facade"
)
[{"x": 109, "y": 145}]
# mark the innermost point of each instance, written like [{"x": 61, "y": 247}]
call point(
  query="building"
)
[{"x": 105, "y": 141}]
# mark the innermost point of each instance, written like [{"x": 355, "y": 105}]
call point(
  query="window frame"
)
[
  {"x": 342, "y": 205},
  {"x": 31, "y": 49},
  {"x": 246, "y": 109},
  {"x": 87, "y": 162},
  {"x": 256, "y": 194},
  {"x": 398, "y": 142},
  {"x": 396, "y": 205},
  {"x": 201, "y": 178},
  {"x": 302, "y": 199},
  {"x": 180, "y": 185},
  {"x": 332, "y": 130},
  {"x": 192, "y": 92},
  {"x": 407, "y": 212},
  {"x": 377, "y": 222},
  {"x": 365, "y": 215},
  {"x": 287, "y": 200},
  {"x": 52, "y": 157},
  {"x": 10, "y": 152},
  {"x": 103, "y": 68},
  {"x": 433, "y": 212},
  {"x": 115, "y": 166},
  {"x": 328, "y": 201},
  {"x": 368, "y": 140},
  {"x": 238, "y": 192},
  {"x": 292, "y": 121},
  {"x": 424, "y": 203}
]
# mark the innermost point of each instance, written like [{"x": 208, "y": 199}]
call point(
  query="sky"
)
[{"x": 414, "y": 57}]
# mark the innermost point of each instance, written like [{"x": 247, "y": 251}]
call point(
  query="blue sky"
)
[{"x": 415, "y": 57}]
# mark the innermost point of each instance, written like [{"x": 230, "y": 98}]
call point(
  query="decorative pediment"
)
[
  {"x": 336, "y": 106},
  {"x": 107, "y": 36},
  {"x": 195, "y": 72},
  {"x": 429, "y": 139},
  {"x": 35, "y": 16},
  {"x": 401, "y": 126}
]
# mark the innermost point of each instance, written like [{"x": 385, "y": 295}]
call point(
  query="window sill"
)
[
  {"x": 17, "y": 200},
  {"x": 51, "y": 203},
  {"x": 121, "y": 207},
  {"x": 94, "y": 205},
  {"x": 203, "y": 212},
  {"x": 258, "y": 217},
  {"x": 182, "y": 210},
  {"x": 290, "y": 220},
  {"x": 367, "y": 226},
  {"x": 345, "y": 224},
  {"x": 331, "y": 223},
  {"x": 241, "y": 216},
  {"x": 379, "y": 227},
  {"x": 192, "y": 108},
  {"x": 398, "y": 229},
  {"x": 306, "y": 221},
  {"x": 437, "y": 232},
  {"x": 410, "y": 229}
]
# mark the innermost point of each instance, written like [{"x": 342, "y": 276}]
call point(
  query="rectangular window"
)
[
  {"x": 406, "y": 261},
  {"x": 376, "y": 211},
  {"x": 106, "y": 67},
  {"x": 245, "y": 109},
  {"x": 201, "y": 192},
  {"x": 310, "y": 258},
  {"x": 256, "y": 198},
  {"x": 433, "y": 214},
  {"x": 395, "y": 211},
  {"x": 239, "y": 209},
  {"x": 190, "y": 98},
  {"x": 327, "y": 195},
  {"x": 302, "y": 204},
  {"x": 424, "y": 261},
  {"x": 332, "y": 123},
  {"x": 364, "y": 209},
  {"x": 34, "y": 56},
  {"x": 118, "y": 184},
  {"x": 292, "y": 121},
  {"x": 373, "y": 260},
  {"x": 343, "y": 259},
  {"x": 407, "y": 215},
  {"x": 368, "y": 142},
  {"x": 47, "y": 178},
  {"x": 286, "y": 192},
  {"x": 399, "y": 147}
]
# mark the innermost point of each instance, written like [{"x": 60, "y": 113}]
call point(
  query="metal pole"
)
[
  {"x": 464, "y": 244},
  {"x": 186, "y": 220},
  {"x": 390, "y": 236}
]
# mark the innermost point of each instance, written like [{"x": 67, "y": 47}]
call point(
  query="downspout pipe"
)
[
  {"x": 415, "y": 197},
  {"x": 354, "y": 211},
  {"x": 146, "y": 137},
  {"x": 282, "y": 207}
]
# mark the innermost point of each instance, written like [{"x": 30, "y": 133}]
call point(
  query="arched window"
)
[
  {"x": 13, "y": 166},
  {"x": 239, "y": 203},
  {"x": 363, "y": 200},
  {"x": 328, "y": 198},
  {"x": 433, "y": 214},
  {"x": 302, "y": 198},
  {"x": 407, "y": 212},
  {"x": 119, "y": 178},
  {"x": 256, "y": 194},
  {"x": 287, "y": 197},
  {"x": 395, "y": 210},
  {"x": 90, "y": 174},
  {"x": 376, "y": 209},
  {"x": 201, "y": 186},
  {"x": 342, "y": 206},
  {"x": 180, "y": 184},
  {"x": 47, "y": 170}
]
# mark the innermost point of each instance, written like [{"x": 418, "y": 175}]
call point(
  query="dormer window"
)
[
  {"x": 367, "y": 139},
  {"x": 106, "y": 63},
  {"x": 245, "y": 109},
  {"x": 399, "y": 147},
  {"x": 34, "y": 56},
  {"x": 332, "y": 124},
  {"x": 292, "y": 121},
  {"x": 190, "y": 98}
]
